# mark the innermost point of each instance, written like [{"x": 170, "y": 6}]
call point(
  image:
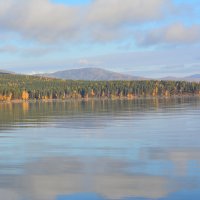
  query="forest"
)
[{"x": 25, "y": 87}]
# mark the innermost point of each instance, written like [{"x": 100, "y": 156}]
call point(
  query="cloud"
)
[
  {"x": 175, "y": 34},
  {"x": 101, "y": 20},
  {"x": 83, "y": 62},
  {"x": 8, "y": 49},
  {"x": 38, "y": 19},
  {"x": 29, "y": 51},
  {"x": 117, "y": 12}
]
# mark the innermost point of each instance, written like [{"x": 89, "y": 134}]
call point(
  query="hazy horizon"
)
[{"x": 155, "y": 38}]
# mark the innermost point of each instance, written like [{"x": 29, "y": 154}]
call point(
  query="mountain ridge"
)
[
  {"x": 190, "y": 78},
  {"x": 94, "y": 74},
  {"x": 99, "y": 74},
  {"x": 2, "y": 71}
]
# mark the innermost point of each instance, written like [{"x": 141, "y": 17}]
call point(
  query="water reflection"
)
[
  {"x": 40, "y": 113},
  {"x": 99, "y": 150},
  {"x": 48, "y": 178}
]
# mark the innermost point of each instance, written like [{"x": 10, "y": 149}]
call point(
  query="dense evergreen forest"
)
[{"x": 24, "y": 87}]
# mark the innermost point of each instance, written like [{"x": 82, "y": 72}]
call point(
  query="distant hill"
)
[
  {"x": 93, "y": 74},
  {"x": 194, "y": 77},
  {"x": 168, "y": 78},
  {"x": 98, "y": 74},
  {"x": 191, "y": 78},
  {"x": 2, "y": 71}
]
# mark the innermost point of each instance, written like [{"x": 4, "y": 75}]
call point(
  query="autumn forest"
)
[{"x": 24, "y": 87}]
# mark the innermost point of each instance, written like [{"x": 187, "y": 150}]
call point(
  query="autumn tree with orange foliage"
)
[{"x": 25, "y": 95}]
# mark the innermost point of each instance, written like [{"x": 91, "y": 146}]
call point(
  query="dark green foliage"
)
[{"x": 49, "y": 88}]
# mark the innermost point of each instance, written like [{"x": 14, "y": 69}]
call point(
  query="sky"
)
[{"x": 151, "y": 38}]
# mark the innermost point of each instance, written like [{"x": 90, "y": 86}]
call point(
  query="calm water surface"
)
[{"x": 100, "y": 150}]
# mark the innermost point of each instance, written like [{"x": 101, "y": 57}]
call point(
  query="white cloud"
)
[
  {"x": 44, "y": 21},
  {"x": 101, "y": 20},
  {"x": 175, "y": 34},
  {"x": 117, "y": 12},
  {"x": 8, "y": 49},
  {"x": 38, "y": 19},
  {"x": 83, "y": 62}
]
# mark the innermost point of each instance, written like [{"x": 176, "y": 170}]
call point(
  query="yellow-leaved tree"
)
[{"x": 25, "y": 95}]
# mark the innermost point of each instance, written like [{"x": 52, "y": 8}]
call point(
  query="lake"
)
[{"x": 100, "y": 150}]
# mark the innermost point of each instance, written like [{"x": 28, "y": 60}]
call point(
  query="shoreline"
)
[{"x": 16, "y": 101}]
